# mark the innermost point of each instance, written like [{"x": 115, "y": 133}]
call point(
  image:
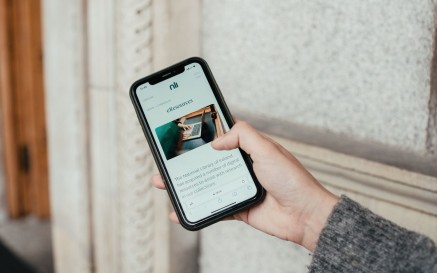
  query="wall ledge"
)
[
  {"x": 392, "y": 156},
  {"x": 376, "y": 180}
]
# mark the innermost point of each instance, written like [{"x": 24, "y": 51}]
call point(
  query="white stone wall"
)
[
  {"x": 355, "y": 69},
  {"x": 359, "y": 68},
  {"x": 234, "y": 247}
]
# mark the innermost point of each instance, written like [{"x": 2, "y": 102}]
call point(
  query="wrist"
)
[{"x": 316, "y": 218}]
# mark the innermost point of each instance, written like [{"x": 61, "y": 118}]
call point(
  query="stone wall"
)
[
  {"x": 358, "y": 71},
  {"x": 353, "y": 76}
]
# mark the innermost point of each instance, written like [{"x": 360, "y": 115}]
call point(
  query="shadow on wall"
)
[
  {"x": 346, "y": 144},
  {"x": 431, "y": 134}
]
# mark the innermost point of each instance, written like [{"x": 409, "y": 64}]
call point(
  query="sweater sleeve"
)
[{"x": 357, "y": 240}]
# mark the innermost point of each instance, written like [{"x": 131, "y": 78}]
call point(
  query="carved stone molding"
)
[
  {"x": 135, "y": 163},
  {"x": 396, "y": 194}
]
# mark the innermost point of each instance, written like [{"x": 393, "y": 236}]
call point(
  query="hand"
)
[
  {"x": 184, "y": 127},
  {"x": 296, "y": 207},
  {"x": 185, "y": 136}
]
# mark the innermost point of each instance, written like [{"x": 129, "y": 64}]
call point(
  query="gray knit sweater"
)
[{"x": 356, "y": 240}]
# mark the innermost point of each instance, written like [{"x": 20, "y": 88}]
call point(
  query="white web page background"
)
[{"x": 206, "y": 180}]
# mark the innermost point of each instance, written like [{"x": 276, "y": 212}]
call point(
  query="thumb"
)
[{"x": 244, "y": 136}]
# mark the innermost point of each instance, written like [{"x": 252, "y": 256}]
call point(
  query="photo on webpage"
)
[{"x": 190, "y": 131}]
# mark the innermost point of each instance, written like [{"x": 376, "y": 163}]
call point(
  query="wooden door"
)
[{"x": 22, "y": 108}]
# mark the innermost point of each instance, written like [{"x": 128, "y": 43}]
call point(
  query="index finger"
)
[{"x": 157, "y": 181}]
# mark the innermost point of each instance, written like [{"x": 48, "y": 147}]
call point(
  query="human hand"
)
[
  {"x": 296, "y": 207},
  {"x": 184, "y": 127},
  {"x": 185, "y": 136}
]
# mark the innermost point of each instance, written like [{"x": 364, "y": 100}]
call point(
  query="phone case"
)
[{"x": 175, "y": 69}]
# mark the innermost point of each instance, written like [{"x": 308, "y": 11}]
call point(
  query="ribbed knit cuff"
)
[{"x": 357, "y": 240}]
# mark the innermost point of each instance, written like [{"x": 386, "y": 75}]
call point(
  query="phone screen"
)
[{"x": 184, "y": 117}]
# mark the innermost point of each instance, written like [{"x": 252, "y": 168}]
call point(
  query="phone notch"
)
[{"x": 166, "y": 74}]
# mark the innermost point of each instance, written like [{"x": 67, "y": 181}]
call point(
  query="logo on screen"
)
[{"x": 174, "y": 85}]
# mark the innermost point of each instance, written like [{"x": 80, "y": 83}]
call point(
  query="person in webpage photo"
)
[
  {"x": 343, "y": 236},
  {"x": 189, "y": 131}
]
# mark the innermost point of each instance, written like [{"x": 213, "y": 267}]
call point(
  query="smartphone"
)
[{"x": 181, "y": 110}]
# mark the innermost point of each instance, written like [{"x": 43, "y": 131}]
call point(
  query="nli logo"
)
[{"x": 174, "y": 85}]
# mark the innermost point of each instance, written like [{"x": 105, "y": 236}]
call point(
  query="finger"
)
[
  {"x": 229, "y": 218},
  {"x": 247, "y": 138},
  {"x": 283, "y": 151},
  {"x": 173, "y": 217},
  {"x": 157, "y": 182}
]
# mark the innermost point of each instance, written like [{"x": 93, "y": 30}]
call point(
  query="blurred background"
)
[{"x": 350, "y": 87}]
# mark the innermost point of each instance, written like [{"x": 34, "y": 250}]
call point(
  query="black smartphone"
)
[{"x": 181, "y": 110}]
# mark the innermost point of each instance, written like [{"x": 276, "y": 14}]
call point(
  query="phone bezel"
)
[{"x": 163, "y": 75}]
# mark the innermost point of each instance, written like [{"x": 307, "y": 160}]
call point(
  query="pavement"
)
[{"x": 25, "y": 245}]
